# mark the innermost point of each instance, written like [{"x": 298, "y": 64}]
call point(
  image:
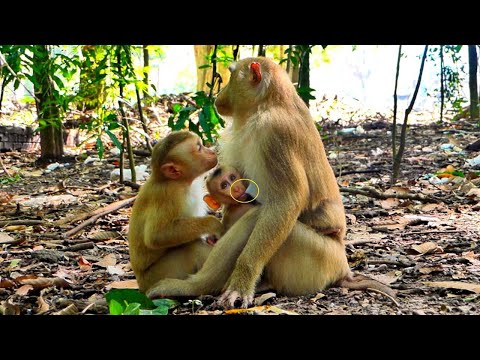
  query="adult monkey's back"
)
[{"x": 273, "y": 141}]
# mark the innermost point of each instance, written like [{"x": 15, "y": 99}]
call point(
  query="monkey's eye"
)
[
  {"x": 199, "y": 147},
  {"x": 232, "y": 177},
  {"x": 224, "y": 185}
]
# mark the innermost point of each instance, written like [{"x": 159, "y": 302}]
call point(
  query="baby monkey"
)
[{"x": 222, "y": 185}]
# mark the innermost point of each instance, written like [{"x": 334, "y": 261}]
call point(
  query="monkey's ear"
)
[
  {"x": 211, "y": 202},
  {"x": 171, "y": 170},
  {"x": 256, "y": 72}
]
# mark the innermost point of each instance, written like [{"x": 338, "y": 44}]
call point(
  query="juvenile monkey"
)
[
  {"x": 219, "y": 185},
  {"x": 168, "y": 217},
  {"x": 274, "y": 141}
]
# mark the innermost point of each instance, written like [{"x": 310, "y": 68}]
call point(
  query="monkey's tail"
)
[{"x": 362, "y": 282}]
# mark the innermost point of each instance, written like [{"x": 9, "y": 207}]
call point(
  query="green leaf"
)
[
  {"x": 132, "y": 309},
  {"x": 182, "y": 117},
  {"x": 129, "y": 296},
  {"x": 170, "y": 122},
  {"x": 100, "y": 148},
  {"x": 114, "y": 139},
  {"x": 202, "y": 119},
  {"x": 169, "y": 303},
  {"x": 115, "y": 308},
  {"x": 458, "y": 173},
  {"x": 204, "y": 66},
  {"x": 176, "y": 108}
]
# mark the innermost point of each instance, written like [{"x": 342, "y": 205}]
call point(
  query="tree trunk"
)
[
  {"x": 403, "y": 136},
  {"x": 395, "y": 102},
  {"x": 204, "y": 75},
  {"x": 304, "y": 76},
  {"x": 261, "y": 50},
  {"x": 146, "y": 62},
  {"x": 442, "y": 83},
  {"x": 472, "y": 67},
  {"x": 51, "y": 138}
]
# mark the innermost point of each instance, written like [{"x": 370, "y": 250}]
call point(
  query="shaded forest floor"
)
[{"x": 429, "y": 252}]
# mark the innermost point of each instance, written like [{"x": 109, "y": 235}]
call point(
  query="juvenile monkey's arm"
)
[{"x": 181, "y": 231}]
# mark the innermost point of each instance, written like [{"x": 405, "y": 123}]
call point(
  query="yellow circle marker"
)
[{"x": 244, "y": 202}]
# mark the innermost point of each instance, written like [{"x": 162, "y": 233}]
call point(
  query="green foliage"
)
[
  {"x": 295, "y": 55},
  {"x": 453, "y": 75},
  {"x": 133, "y": 302},
  {"x": 207, "y": 121},
  {"x": 4, "y": 180},
  {"x": 202, "y": 118}
]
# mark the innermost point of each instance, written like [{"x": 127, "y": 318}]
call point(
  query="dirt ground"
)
[{"x": 428, "y": 250}]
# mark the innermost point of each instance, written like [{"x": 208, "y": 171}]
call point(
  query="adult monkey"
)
[{"x": 275, "y": 142}]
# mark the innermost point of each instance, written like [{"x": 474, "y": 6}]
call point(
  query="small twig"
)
[
  {"x": 342, "y": 173},
  {"x": 107, "y": 210},
  {"x": 374, "y": 193},
  {"x": 112, "y": 207},
  {"x": 131, "y": 184},
  {"x": 21, "y": 222},
  {"x": 388, "y": 262},
  {"x": 4, "y": 167},
  {"x": 436, "y": 232},
  {"x": 82, "y": 246},
  {"x": 385, "y": 294},
  {"x": 361, "y": 241}
]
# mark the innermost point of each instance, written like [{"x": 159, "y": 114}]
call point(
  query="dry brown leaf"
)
[
  {"x": 455, "y": 285},
  {"x": 15, "y": 227},
  {"x": 260, "y": 309},
  {"x": 472, "y": 257},
  {"x": 317, "y": 297},
  {"x": 430, "y": 207},
  {"x": 69, "y": 310},
  {"x": 6, "y": 239},
  {"x": 115, "y": 270},
  {"x": 389, "y": 203},
  {"x": 8, "y": 308},
  {"x": 54, "y": 200},
  {"x": 23, "y": 290},
  {"x": 126, "y": 284},
  {"x": 475, "y": 192},
  {"x": 6, "y": 284},
  {"x": 389, "y": 227},
  {"x": 264, "y": 298},
  {"x": 5, "y": 197},
  {"x": 108, "y": 260},
  {"x": 42, "y": 306},
  {"x": 104, "y": 235},
  {"x": 428, "y": 270},
  {"x": 352, "y": 218},
  {"x": 365, "y": 236},
  {"x": 388, "y": 278},
  {"x": 426, "y": 248},
  {"x": 397, "y": 190},
  {"x": 84, "y": 264},
  {"x": 41, "y": 282}
]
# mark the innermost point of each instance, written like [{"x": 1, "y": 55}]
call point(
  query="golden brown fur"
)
[
  {"x": 167, "y": 221},
  {"x": 274, "y": 141},
  {"x": 232, "y": 210}
]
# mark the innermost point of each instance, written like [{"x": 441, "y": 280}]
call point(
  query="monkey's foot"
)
[
  {"x": 232, "y": 299},
  {"x": 164, "y": 288}
]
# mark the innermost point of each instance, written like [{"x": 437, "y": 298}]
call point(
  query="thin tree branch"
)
[
  {"x": 374, "y": 193},
  {"x": 395, "y": 101}
]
